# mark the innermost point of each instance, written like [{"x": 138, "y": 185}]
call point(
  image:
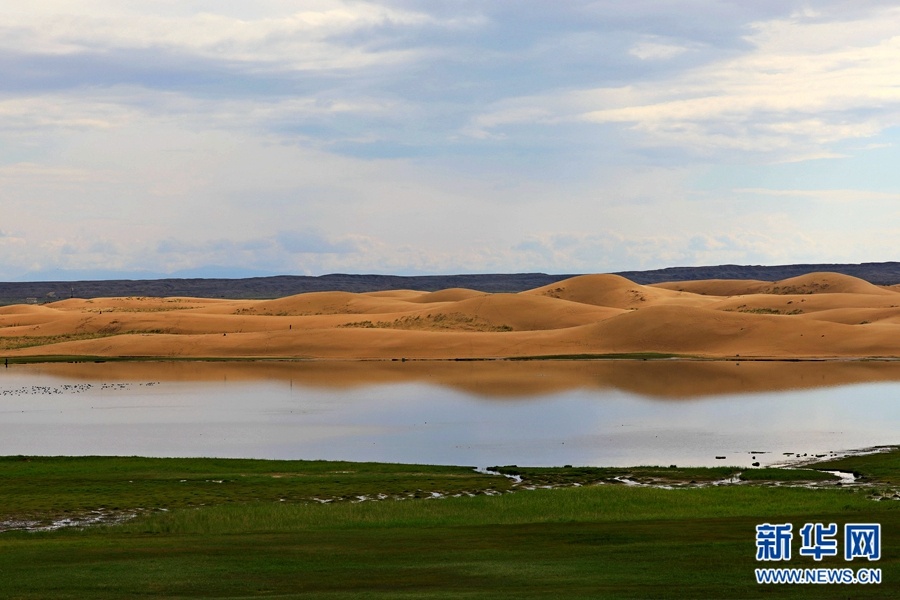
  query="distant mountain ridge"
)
[
  {"x": 885, "y": 273},
  {"x": 880, "y": 273}
]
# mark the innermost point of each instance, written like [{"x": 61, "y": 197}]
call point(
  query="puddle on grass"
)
[{"x": 91, "y": 518}]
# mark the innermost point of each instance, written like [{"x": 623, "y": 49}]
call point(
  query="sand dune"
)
[
  {"x": 804, "y": 304},
  {"x": 825, "y": 283},
  {"x": 402, "y": 294},
  {"x": 615, "y": 292},
  {"x": 448, "y": 295},
  {"x": 814, "y": 316},
  {"x": 25, "y": 309},
  {"x": 327, "y": 303},
  {"x": 716, "y": 333},
  {"x": 856, "y": 316},
  {"x": 524, "y": 313}
]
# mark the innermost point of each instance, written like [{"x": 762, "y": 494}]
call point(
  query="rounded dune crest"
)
[
  {"x": 25, "y": 309},
  {"x": 824, "y": 283},
  {"x": 609, "y": 290}
]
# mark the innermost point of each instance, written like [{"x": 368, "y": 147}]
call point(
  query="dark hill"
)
[{"x": 884, "y": 273}]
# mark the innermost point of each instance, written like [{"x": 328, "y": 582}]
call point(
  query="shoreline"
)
[{"x": 16, "y": 359}]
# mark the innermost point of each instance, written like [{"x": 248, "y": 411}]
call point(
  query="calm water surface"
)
[{"x": 452, "y": 413}]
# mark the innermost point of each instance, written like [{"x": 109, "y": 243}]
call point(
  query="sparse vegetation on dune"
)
[
  {"x": 437, "y": 322},
  {"x": 767, "y": 311},
  {"x": 31, "y": 341}
]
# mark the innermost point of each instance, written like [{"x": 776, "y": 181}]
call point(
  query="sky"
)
[{"x": 219, "y": 138}]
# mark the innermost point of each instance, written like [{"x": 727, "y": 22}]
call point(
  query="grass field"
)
[{"x": 209, "y": 528}]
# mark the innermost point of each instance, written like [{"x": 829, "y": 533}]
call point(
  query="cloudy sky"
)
[{"x": 143, "y": 138}]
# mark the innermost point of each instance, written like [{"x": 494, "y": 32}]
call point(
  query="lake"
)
[{"x": 540, "y": 413}]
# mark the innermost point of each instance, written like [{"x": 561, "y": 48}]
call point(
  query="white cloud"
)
[
  {"x": 804, "y": 84},
  {"x": 655, "y": 49},
  {"x": 791, "y": 93},
  {"x": 313, "y": 242},
  {"x": 57, "y": 111},
  {"x": 304, "y": 39},
  {"x": 44, "y": 175}
]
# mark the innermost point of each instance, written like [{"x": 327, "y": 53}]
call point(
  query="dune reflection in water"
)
[{"x": 474, "y": 413}]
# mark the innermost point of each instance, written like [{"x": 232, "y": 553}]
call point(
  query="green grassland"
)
[
  {"x": 209, "y": 528},
  {"x": 47, "y": 488}
]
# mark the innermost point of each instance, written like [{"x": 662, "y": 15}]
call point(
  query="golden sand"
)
[{"x": 820, "y": 315}]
